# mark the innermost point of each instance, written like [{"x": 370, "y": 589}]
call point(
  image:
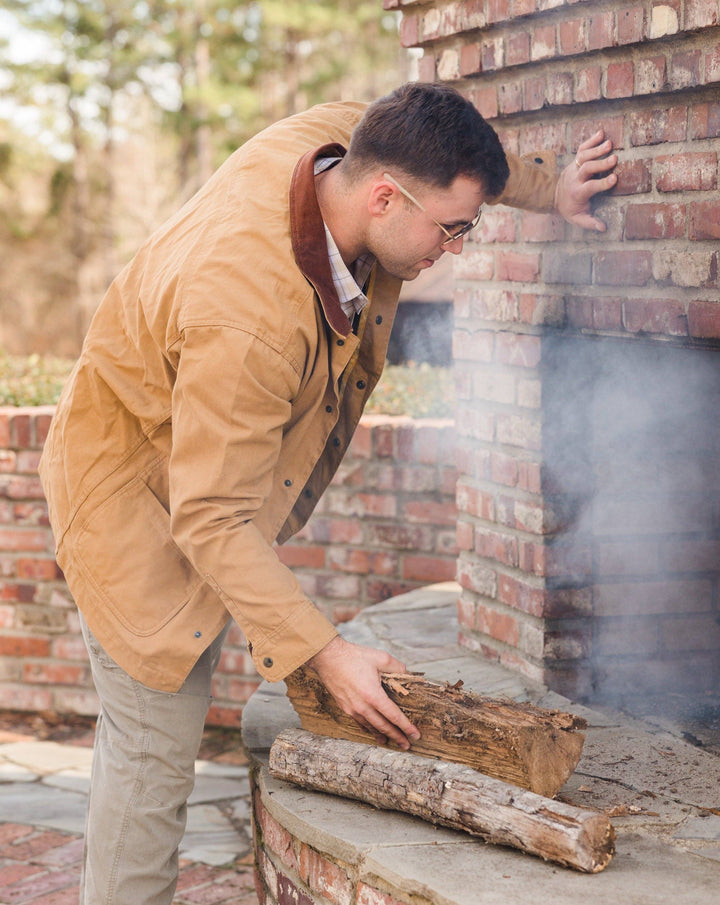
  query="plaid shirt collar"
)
[{"x": 348, "y": 282}]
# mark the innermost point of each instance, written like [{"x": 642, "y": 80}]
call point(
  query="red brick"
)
[
  {"x": 369, "y": 895},
  {"x": 630, "y": 25},
  {"x": 655, "y": 221},
  {"x": 542, "y": 43},
  {"x": 470, "y": 62},
  {"x": 701, "y": 14},
  {"x": 686, "y": 172},
  {"x": 571, "y": 36},
  {"x": 534, "y": 93},
  {"x": 5, "y": 416},
  {"x": 518, "y": 266},
  {"x": 493, "y": 544},
  {"x": 38, "y": 569},
  {"x": 518, "y": 48},
  {"x": 705, "y": 120},
  {"x": 519, "y": 350},
  {"x": 685, "y": 69},
  {"x": 325, "y": 877},
  {"x": 497, "y": 11},
  {"x": 23, "y": 646},
  {"x": 623, "y": 268},
  {"x": 54, "y": 674},
  {"x": 464, "y": 535},
  {"x": 620, "y": 79},
  {"x": 704, "y": 319},
  {"x": 664, "y": 124},
  {"x": 500, "y": 626},
  {"x": 704, "y": 217},
  {"x": 275, "y": 836},
  {"x": 634, "y": 177},
  {"x": 600, "y": 30},
  {"x": 409, "y": 30},
  {"x": 430, "y": 512},
  {"x": 510, "y": 97},
  {"x": 588, "y": 84},
  {"x": 492, "y": 54},
  {"x": 428, "y": 569},
  {"x": 661, "y": 316},
  {"x": 33, "y": 846},
  {"x": 650, "y": 75},
  {"x": 485, "y": 100},
  {"x": 293, "y": 555}
]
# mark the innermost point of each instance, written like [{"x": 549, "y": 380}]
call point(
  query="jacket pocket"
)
[{"x": 128, "y": 555}]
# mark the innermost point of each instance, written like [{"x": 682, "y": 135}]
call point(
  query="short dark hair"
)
[{"x": 432, "y": 133}]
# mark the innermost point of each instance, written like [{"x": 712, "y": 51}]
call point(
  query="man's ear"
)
[{"x": 381, "y": 196}]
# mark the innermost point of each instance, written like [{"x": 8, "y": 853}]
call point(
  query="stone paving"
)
[{"x": 43, "y": 789}]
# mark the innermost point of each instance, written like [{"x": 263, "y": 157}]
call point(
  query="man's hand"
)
[
  {"x": 351, "y": 673},
  {"x": 582, "y": 179}
]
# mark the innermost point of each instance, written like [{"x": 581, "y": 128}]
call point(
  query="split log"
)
[
  {"x": 525, "y": 745},
  {"x": 446, "y": 794}
]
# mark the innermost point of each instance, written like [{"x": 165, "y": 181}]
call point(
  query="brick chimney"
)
[{"x": 588, "y": 376}]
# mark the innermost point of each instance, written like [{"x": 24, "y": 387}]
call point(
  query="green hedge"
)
[{"x": 417, "y": 390}]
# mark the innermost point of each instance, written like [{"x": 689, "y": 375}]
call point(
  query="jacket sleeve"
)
[
  {"x": 231, "y": 405},
  {"x": 532, "y": 182}
]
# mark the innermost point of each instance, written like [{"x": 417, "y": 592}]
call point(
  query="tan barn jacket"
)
[{"x": 217, "y": 390}]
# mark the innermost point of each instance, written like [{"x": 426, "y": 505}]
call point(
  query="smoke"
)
[{"x": 631, "y": 435}]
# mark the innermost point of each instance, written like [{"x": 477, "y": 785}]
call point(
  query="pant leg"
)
[{"x": 146, "y": 743}]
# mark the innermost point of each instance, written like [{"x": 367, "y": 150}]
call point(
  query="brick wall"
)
[
  {"x": 588, "y": 498},
  {"x": 385, "y": 526}
]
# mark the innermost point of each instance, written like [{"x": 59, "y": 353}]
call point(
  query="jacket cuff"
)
[
  {"x": 531, "y": 183},
  {"x": 292, "y": 643}
]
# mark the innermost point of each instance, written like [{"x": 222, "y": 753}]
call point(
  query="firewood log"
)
[
  {"x": 522, "y": 744},
  {"x": 446, "y": 794}
]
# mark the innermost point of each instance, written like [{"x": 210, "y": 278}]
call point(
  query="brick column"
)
[{"x": 588, "y": 499}]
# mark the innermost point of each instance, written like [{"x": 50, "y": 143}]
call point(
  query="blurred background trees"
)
[{"x": 113, "y": 112}]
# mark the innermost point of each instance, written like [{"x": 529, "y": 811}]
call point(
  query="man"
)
[{"x": 216, "y": 393}]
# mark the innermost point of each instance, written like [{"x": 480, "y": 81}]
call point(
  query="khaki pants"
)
[{"x": 146, "y": 743}]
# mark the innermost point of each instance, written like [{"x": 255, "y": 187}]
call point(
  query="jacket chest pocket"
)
[{"x": 126, "y": 551}]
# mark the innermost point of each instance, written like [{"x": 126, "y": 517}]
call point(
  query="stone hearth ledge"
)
[{"x": 317, "y": 848}]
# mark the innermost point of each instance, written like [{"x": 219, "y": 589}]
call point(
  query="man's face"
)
[{"x": 408, "y": 239}]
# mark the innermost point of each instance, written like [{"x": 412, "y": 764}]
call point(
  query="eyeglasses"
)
[{"x": 451, "y": 237}]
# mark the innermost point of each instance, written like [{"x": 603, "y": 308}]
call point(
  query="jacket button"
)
[
  {"x": 360, "y": 384},
  {"x": 336, "y": 441},
  {"x": 287, "y": 482},
  {"x": 378, "y": 319},
  {"x": 341, "y": 342},
  {"x": 539, "y": 160},
  {"x": 328, "y": 409},
  {"x": 198, "y": 634},
  {"x": 267, "y": 662}
]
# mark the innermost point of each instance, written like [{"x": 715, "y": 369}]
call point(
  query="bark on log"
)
[
  {"x": 521, "y": 744},
  {"x": 446, "y": 794}
]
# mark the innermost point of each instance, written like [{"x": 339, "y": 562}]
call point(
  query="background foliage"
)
[
  {"x": 113, "y": 112},
  {"x": 420, "y": 391}
]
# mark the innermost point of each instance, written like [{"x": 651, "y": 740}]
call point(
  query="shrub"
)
[{"x": 416, "y": 390}]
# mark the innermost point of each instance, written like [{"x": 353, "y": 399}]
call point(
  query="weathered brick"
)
[
  {"x": 623, "y": 268},
  {"x": 630, "y": 25},
  {"x": 655, "y": 221},
  {"x": 704, "y": 319},
  {"x": 650, "y": 75},
  {"x": 664, "y": 124},
  {"x": 690, "y": 171},
  {"x": 600, "y": 29},
  {"x": 661, "y": 316},
  {"x": 620, "y": 79},
  {"x": 704, "y": 217},
  {"x": 685, "y": 69},
  {"x": 588, "y": 81},
  {"x": 705, "y": 120}
]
